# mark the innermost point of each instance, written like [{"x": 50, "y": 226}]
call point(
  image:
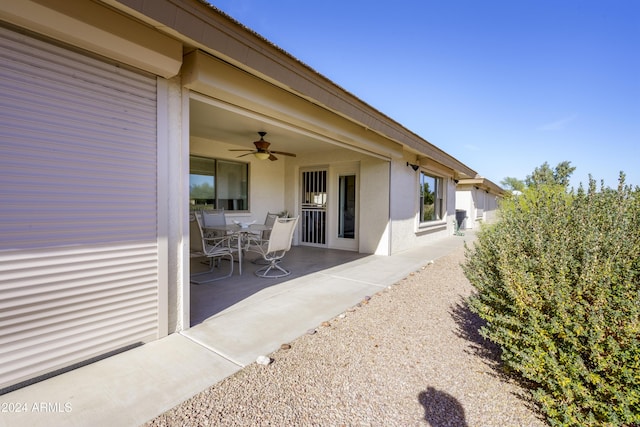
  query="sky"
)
[{"x": 501, "y": 85}]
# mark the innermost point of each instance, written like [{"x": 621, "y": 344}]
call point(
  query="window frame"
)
[
  {"x": 217, "y": 202},
  {"x": 440, "y": 199}
]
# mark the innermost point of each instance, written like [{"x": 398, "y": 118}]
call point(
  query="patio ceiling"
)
[
  {"x": 241, "y": 128},
  {"x": 217, "y": 121}
]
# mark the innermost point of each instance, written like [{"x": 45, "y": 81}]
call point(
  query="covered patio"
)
[
  {"x": 307, "y": 186},
  {"x": 346, "y": 179},
  {"x": 310, "y": 185}
]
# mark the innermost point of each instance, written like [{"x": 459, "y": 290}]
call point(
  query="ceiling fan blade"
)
[
  {"x": 246, "y": 154},
  {"x": 240, "y": 149},
  {"x": 283, "y": 153},
  {"x": 272, "y": 157}
]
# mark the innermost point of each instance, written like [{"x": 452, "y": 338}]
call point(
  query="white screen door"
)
[{"x": 314, "y": 208}]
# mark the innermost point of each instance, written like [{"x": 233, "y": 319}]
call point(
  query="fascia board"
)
[{"x": 100, "y": 30}]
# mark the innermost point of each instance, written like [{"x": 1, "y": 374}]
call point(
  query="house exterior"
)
[
  {"x": 117, "y": 119},
  {"x": 477, "y": 201}
]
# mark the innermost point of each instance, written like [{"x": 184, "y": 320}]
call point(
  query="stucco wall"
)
[
  {"x": 373, "y": 187},
  {"x": 406, "y": 232},
  {"x": 374, "y": 206},
  {"x": 468, "y": 197},
  {"x": 404, "y": 205},
  {"x": 464, "y": 202},
  {"x": 170, "y": 186}
]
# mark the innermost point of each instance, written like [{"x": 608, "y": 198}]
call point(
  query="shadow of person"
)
[{"x": 441, "y": 409}]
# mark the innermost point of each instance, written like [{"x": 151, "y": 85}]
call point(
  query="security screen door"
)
[{"x": 314, "y": 208}]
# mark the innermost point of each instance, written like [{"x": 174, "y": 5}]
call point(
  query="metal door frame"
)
[{"x": 313, "y": 206}]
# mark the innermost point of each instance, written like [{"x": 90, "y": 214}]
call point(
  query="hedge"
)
[{"x": 557, "y": 281}]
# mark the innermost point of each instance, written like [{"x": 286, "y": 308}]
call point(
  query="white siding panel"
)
[{"x": 78, "y": 208}]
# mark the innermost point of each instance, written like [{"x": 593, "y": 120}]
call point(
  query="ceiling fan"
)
[{"x": 262, "y": 151}]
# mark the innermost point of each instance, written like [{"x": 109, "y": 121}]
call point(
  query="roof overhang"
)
[
  {"x": 200, "y": 26},
  {"x": 153, "y": 35},
  {"x": 236, "y": 90},
  {"x": 482, "y": 184},
  {"x": 98, "y": 29}
]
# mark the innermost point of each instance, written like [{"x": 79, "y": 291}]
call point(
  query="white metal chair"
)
[
  {"x": 269, "y": 220},
  {"x": 274, "y": 249},
  {"x": 264, "y": 235},
  {"x": 213, "y": 218},
  {"x": 213, "y": 248}
]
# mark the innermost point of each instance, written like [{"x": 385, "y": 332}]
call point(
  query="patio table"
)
[{"x": 239, "y": 232}]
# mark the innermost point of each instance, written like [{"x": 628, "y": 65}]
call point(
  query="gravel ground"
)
[{"x": 407, "y": 356}]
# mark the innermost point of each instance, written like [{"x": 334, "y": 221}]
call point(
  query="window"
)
[
  {"x": 480, "y": 203},
  {"x": 218, "y": 184},
  {"x": 347, "y": 206},
  {"x": 431, "y": 198}
]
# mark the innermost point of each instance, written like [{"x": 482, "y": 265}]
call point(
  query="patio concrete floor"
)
[{"x": 235, "y": 320}]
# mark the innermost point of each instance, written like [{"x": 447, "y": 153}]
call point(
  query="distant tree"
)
[
  {"x": 201, "y": 191},
  {"x": 545, "y": 175},
  {"x": 563, "y": 172},
  {"x": 512, "y": 184}
]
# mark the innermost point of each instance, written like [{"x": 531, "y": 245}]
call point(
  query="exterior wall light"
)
[{"x": 414, "y": 167}]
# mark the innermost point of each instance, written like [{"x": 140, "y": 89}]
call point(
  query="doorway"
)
[
  {"x": 344, "y": 207},
  {"x": 314, "y": 208},
  {"x": 329, "y": 207}
]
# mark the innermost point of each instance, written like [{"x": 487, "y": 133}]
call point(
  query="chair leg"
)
[
  {"x": 274, "y": 264},
  {"x": 213, "y": 266}
]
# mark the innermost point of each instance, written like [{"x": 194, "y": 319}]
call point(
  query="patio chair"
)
[
  {"x": 269, "y": 220},
  {"x": 213, "y": 218},
  {"x": 275, "y": 248},
  {"x": 264, "y": 235},
  {"x": 213, "y": 248}
]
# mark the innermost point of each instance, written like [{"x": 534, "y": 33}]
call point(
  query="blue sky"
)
[{"x": 501, "y": 85}]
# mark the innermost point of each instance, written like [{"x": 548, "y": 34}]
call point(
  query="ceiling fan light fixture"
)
[{"x": 262, "y": 151}]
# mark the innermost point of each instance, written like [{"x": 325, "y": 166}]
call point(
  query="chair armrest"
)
[{"x": 218, "y": 241}]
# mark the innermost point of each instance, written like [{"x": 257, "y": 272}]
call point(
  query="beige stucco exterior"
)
[{"x": 478, "y": 198}]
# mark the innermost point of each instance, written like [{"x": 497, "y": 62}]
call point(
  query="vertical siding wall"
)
[{"x": 78, "y": 208}]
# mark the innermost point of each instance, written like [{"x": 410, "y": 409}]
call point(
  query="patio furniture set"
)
[{"x": 213, "y": 239}]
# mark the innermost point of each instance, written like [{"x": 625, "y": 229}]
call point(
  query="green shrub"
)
[{"x": 558, "y": 284}]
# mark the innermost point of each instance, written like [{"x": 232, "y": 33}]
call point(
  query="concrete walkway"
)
[{"x": 134, "y": 387}]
